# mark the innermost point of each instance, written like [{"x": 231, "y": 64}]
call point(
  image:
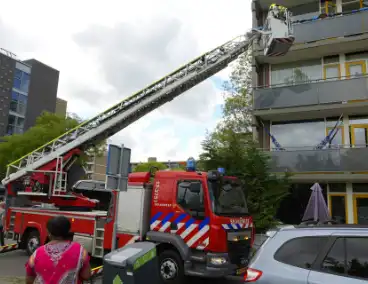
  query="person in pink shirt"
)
[{"x": 60, "y": 261}]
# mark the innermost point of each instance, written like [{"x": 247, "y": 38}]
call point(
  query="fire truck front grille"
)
[{"x": 239, "y": 252}]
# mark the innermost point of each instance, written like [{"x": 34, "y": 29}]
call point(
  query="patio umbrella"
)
[{"x": 317, "y": 208}]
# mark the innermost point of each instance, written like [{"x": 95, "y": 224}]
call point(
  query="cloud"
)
[
  {"x": 108, "y": 51},
  {"x": 133, "y": 55},
  {"x": 13, "y": 41}
]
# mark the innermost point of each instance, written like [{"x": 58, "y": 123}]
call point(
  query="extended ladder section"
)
[{"x": 134, "y": 107}]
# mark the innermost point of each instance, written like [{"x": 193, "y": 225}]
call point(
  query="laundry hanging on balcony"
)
[
  {"x": 273, "y": 139},
  {"x": 331, "y": 134}
]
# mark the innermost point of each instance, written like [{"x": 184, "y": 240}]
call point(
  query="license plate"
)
[{"x": 241, "y": 271}]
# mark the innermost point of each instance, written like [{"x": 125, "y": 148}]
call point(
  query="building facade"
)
[
  {"x": 61, "y": 106},
  {"x": 42, "y": 91},
  {"x": 27, "y": 88},
  {"x": 96, "y": 168},
  {"x": 319, "y": 87}
]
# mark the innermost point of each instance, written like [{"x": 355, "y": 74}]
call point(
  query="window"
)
[
  {"x": 355, "y": 264},
  {"x": 17, "y": 83},
  {"x": 300, "y": 252},
  {"x": 227, "y": 197},
  {"x": 18, "y": 103},
  {"x": 328, "y": 6},
  {"x": 334, "y": 262},
  {"x": 86, "y": 185},
  {"x": 296, "y": 73},
  {"x": 18, "y": 74},
  {"x": 338, "y": 207},
  {"x": 357, "y": 257},
  {"x": 15, "y": 125},
  {"x": 309, "y": 133},
  {"x": 21, "y": 80},
  {"x": 190, "y": 196},
  {"x": 331, "y": 68},
  {"x": 25, "y": 83}
]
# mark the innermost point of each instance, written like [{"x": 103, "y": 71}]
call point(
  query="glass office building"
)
[{"x": 19, "y": 98}]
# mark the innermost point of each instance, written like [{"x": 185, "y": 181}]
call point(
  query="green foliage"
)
[
  {"x": 48, "y": 126},
  {"x": 145, "y": 167},
  {"x": 231, "y": 146},
  {"x": 238, "y": 99},
  {"x": 241, "y": 158}
]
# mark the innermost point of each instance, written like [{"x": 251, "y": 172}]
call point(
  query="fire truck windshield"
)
[{"x": 227, "y": 198}]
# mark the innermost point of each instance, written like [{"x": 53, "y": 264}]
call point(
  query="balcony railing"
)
[
  {"x": 341, "y": 25},
  {"x": 311, "y": 93},
  {"x": 326, "y": 160},
  {"x": 337, "y": 26}
]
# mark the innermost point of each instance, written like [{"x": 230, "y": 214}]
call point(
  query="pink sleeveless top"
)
[{"x": 58, "y": 263}]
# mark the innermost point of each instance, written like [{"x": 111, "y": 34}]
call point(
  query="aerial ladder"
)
[{"x": 44, "y": 171}]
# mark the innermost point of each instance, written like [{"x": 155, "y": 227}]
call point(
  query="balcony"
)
[
  {"x": 338, "y": 26},
  {"x": 314, "y": 95},
  {"x": 329, "y": 164},
  {"x": 346, "y": 32}
]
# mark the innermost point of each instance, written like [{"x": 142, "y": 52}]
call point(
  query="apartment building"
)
[
  {"x": 27, "y": 88},
  {"x": 319, "y": 86},
  {"x": 96, "y": 167}
]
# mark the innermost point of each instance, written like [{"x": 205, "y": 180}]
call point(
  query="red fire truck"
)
[{"x": 199, "y": 220}]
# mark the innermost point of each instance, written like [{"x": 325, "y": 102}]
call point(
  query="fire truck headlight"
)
[{"x": 218, "y": 260}]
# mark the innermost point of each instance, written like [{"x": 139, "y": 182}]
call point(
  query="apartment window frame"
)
[
  {"x": 15, "y": 127},
  {"x": 329, "y": 122},
  {"x": 21, "y": 80},
  {"x": 16, "y": 105},
  {"x": 294, "y": 67},
  {"x": 328, "y": 7}
]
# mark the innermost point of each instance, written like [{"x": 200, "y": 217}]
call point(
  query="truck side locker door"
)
[{"x": 193, "y": 223}]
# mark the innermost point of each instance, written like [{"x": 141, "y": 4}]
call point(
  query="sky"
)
[{"x": 106, "y": 51}]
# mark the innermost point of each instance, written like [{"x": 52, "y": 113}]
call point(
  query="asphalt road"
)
[{"x": 12, "y": 270}]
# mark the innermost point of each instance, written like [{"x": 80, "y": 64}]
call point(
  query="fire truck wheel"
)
[
  {"x": 32, "y": 242},
  {"x": 171, "y": 267}
]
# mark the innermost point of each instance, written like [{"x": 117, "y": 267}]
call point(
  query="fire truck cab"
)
[{"x": 199, "y": 220}]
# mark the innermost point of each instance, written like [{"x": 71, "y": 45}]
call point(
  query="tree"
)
[
  {"x": 238, "y": 154},
  {"x": 231, "y": 146},
  {"x": 238, "y": 98},
  {"x": 145, "y": 167},
  {"x": 48, "y": 126}
]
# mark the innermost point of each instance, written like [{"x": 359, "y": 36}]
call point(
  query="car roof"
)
[{"x": 300, "y": 230}]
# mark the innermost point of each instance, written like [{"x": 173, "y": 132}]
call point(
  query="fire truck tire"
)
[
  {"x": 32, "y": 242},
  {"x": 171, "y": 267}
]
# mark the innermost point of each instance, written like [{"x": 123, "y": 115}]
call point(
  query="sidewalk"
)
[{"x": 11, "y": 280}]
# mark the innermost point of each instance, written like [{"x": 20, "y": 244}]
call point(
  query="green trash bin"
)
[{"x": 133, "y": 264}]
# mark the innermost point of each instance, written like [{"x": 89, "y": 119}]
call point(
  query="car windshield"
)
[{"x": 227, "y": 197}]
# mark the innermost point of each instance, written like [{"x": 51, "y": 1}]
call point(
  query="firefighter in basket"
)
[{"x": 279, "y": 12}]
